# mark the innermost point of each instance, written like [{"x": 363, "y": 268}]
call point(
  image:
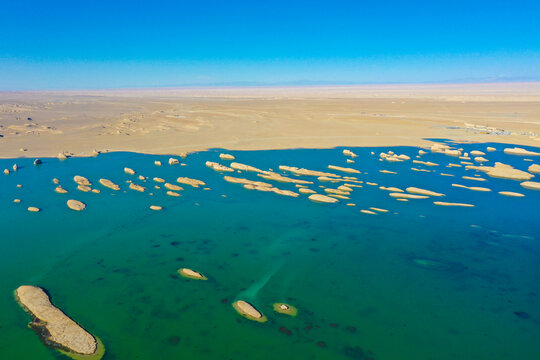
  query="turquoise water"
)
[{"x": 419, "y": 282}]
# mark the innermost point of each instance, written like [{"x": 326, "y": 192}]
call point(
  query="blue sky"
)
[{"x": 113, "y": 44}]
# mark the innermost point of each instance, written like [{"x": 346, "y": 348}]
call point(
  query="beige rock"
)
[
  {"x": 136, "y": 187},
  {"x": 142, "y": 178},
  {"x": 442, "y": 203},
  {"x": 59, "y": 189},
  {"x": 173, "y": 187},
  {"x": 520, "y": 151},
  {"x": 55, "y": 181},
  {"x": 61, "y": 156},
  {"x": 503, "y": 171},
  {"x": 421, "y": 152},
  {"x": 248, "y": 311},
  {"x": 218, "y": 167},
  {"x": 96, "y": 191},
  {"x": 414, "y": 190},
  {"x": 348, "y": 152},
  {"x": 76, "y": 205},
  {"x": 443, "y": 174},
  {"x": 378, "y": 209},
  {"x": 511, "y": 193},
  {"x": 475, "y": 178},
  {"x": 33, "y": 209},
  {"x": 81, "y": 180},
  {"x": 286, "y": 309},
  {"x": 244, "y": 167},
  {"x": 6, "y": 171},
  {"x": 129, "y": 171},
  {"x": 173, "y": 161},
  {"x": 407, "y": 196},
  {"x": 344, "y": 188},
  {"x": 473, "y": 188},
  {"x": 236, "y": 180},
  {"x": 534, "y": 168},
  {"x": 109, "y": 184},
  {"x": 489, "y": 148},
  {"x": 172, "y": 193},
  {"x": 306, "y": 191},
  {"x": 480, "y": 159},
  {"x": 368, "y": 212},
  {"x": 157, "y": 163},
  {"x": 192, "y": 182},
  {"x": 56, "y": 329},
  {"x": 478, "y": 153},
  {"x": 427, "y": 163},
  {"x": 84, "y": 188},
  {"x": 337, "y": 192},
  {"x": 322, "y": 198},
  {"x": 307, "y": 172},
  {"x": 156, "y": 207},
  {"x": 344, "y": 169},
  {"x": 191, "y": 274},
  {"x": 160, "y": 180},
  {"x": 391, "y": 189},
  {"x": 532, "y": 185},
  {"x": 226, "y": 157},
  {"x": 387, "y": 172},
  {"x": 278, "y": 177}
]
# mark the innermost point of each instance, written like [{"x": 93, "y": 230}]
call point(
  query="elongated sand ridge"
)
[
  {"x": 55, "y": 327},
  {"x": 191, "y": 274}
]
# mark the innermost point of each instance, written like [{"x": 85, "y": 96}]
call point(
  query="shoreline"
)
[{"x": 171, "y": 121}]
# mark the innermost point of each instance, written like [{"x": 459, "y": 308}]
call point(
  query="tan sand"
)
[
  {"x": 280, "y": 178},
  {"x": 534, "y": 168},
  {"x": 476, "y": 178},
  {"x": 34, "y": 209},
  {"x": 442, "y": 203},
  {"x": 81, "y": 180},
  {"x": 427, "y": 163},
  {"x": 129, "y": 171},
  {"x": 172, "y": 193},
  {"x": 391, "y": 189},
  {"x": 348, "y": 152},
  {"x": 59, "y": 189},
  {"x": 244, "y": 167},
  {"x": 387, "y": 172},
  {"x": 17, "y": 201},
  {"x": 76, "y": 205},
  {"x": 249, "y": 311},
  {"x": 368, "y": 212},
  {"x": 503, "y": 171},
  {"x": 491, "y": 149},
  {"x": 55, "y": 327},
  {"x": 156, "y": 207},
  {"x": 84, "y": 188},
  {"x": 378, "y": 209},
  {"x": 159, "y": 180},
  {"x": 306, "y": 191},
  {"x": 337, "y": 192},
  {"x": 307, "y": 172}
]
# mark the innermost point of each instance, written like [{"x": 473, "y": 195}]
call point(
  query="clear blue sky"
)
[{"x": 103, "y": 44}]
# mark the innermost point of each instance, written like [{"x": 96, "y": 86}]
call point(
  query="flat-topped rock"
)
[
  {"x": 192, "y": 182},
  {"x": 157, "y": 163},
  {"x": 191, "y": 274},
  {"x": 218, "y": 167},
  {"x": 56, "y": 328},
  {"x": 59, "y": 189},
  {"x": 76, "y": 205},
  {"x": 322, "y": 198},
  {"x": 109, "y": 184},
  {"x": 391, "y": 189},
  {"x": 442, "y": 203},
  {"x": 473, "y": 188},
  {"x": 248, "y": 311},
  {"x": 407, "y": 196},
  {"x": 34, "y": 209},
  {"x": 348, "y": 152},
  {"x": 173, "y": 187},
  {"x": 81, "y": 180},
  {"x": 129, "y": 171},
  {"x": 532, "y": 185},
  {"x": 306, "y": 172},
  {"x": 534, "y": 168},
  {"x": 136, "y": 187},
  {"x": 344, "y": 169},
  {"x": 491, "y": 149},
  {"x": 172, "y": 193},
  {"x": 306, "y": 191},
  {"x": 511, "y": 193},
  {"x": 503, "y": 171},
  {"x": 84, "y": 188},
  {"x": 156, "y": 207},
  {"x": 158, "y": 179},
  {"x": 427, "y": 163},
  {"x": 520, "y": 151},
  {"x": 173, "y": 161},
  {"x": 244, "y": 167},
  {"x": 55, "y": 181},
  {"x": 284, "y": 179},
  {"x": 337, "y": 192},
  {"x": 226, "y": 157},
  {"x": 477, "y": 153}
]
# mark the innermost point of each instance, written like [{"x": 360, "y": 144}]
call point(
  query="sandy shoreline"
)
[{"x": 172, "y": 121}]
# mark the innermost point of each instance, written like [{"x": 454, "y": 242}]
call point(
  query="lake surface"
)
[{"x": 418, "y": 282}]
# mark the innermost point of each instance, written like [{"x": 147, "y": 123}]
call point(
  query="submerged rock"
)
[
  {"x": 76, "y": 205},
  {"x": 249, "y": 311},
  {"x": 54, "y": 327},
  {"x": 191, "y": 274}
]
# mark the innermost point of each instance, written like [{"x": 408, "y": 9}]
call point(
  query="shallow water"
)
[{"x": 419, "y": 282}]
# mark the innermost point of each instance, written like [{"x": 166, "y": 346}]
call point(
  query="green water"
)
[{"x": 418, "y": 282}]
